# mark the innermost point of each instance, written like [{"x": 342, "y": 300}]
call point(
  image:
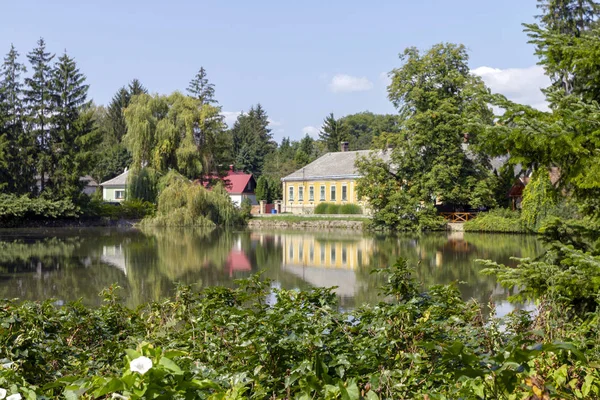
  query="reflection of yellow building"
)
[
  {"x": 306, "y": 250},
  {"x": 329, "y": 179}
]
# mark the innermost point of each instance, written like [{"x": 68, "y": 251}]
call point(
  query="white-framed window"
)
[
  {"x": 332, "y": 254},
  {"x": 301, "y": 193},
  {"x": 291, "y": 251},
  {"x": 119, "y": 194},
  {"x": 344, "y": 255},
  {"x": 344, "y": 193},
  {"x": 332, "y": 193},
  {"x": 311, "y": 193},
  {"x": 291, "y": 193},
  {"x": 322, "y": 254},
  {"x": 301, "y": 251},
  {"x": 322, "y": 198},
  {"x": 311, "y": 252}
]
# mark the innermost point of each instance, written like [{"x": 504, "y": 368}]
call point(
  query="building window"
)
[
  {"x": 291, "y": 252},
  {"x": 119, "y": 194},
  {"x": 301, "y": 251},
  {"x": 344, "y": 255},
  {"x": 291, "y": 194},
  {"x": 322, "y": 254},
  {"x": 301, "y": 193},
  {"x": 322, "y": 198},
  {"x": 332, "y": 197},
  {"x": 311, "y": 193},
  {"x": 344, "y": 193},
  {"x": 311, "y": 252},
  {"x": 333, "y": 254}
]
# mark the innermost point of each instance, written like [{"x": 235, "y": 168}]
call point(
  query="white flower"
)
[
  {"x": 15, "y": 396},
  {"x": 2, "y": 393},
  {"x": 141, "y": 364}
]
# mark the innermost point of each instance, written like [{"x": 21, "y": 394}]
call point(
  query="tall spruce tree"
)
[
  {"x": 40, "y": 108},
  {"x": 136, "y": 88},
  {"x": 19, "y": 170},
  {"x": 115, "y": 118},
  {"x": 72, "y": 130},
  {"x": 252, "y": 140},
  {"x": 201, "y": 89},
  {"x": 332, "y": 133}
]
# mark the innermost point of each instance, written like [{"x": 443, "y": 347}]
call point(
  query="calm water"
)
[{"x": 67, "y": 264}]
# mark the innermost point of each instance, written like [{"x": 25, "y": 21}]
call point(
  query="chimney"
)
[{"x": 344, "y": 146}]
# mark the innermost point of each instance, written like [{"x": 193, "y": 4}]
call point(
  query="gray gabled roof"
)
[
  {"x": 119, "y": 180},
  {"x": 338, "y": 165}
]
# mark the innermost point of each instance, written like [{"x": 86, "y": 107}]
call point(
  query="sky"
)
[{"x": 301, "y": 60}]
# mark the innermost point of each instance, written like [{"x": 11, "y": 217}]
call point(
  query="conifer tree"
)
[
  {"x": 19, "y": 150},
  {"x": 72, "y": 132},
  {"x": 136, "y": 88},
  {"x": 116, "y": 119},
  {"x": 39, "y": 108},
  {"x": 201, "y": 89},
  {"x": 332, "y": 133},
  {"x": 252, "y": 140}
]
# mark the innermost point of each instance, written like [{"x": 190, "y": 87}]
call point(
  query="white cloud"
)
[
  {"x": 311, "y": 131},
  {"x": 230, "y": 117},
  {"x": 521, "y": 85},
  {"x": 274, "y": 123},
  {"x": 348, "y": 83}
]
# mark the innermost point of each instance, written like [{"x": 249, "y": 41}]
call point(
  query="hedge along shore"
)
[{"x": 306, "y": 222}]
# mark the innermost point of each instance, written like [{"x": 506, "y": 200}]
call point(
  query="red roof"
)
[{"x": 235, "y": 182}]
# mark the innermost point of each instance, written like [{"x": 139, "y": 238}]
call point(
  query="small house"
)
[
  {"x": 239, "y": 186},
  {"x": 115, "y": 189}
]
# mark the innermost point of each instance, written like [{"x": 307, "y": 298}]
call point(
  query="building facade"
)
[
  {"x": 115, "y": 189},
  {"x": 329, "y": 179}
]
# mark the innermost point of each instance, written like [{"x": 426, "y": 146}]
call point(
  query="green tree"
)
[
  {"x": 332, "y": 133},
  {"x": 201, "y": 89},
  {"x": 116, "y": 119},
  {"x": 362, "y": 128},
  {"x": 172, "y": 132},
  {"x": 18, "y": 173},
  {"x": 262, "y": 189},
  {"x": 72, "y": 131},
  {"x": 441, "y": 104},
  {"x": 252, "y": 140},
  {"x": 136, "y": 88},
  {"x": 40, "y": 108}
]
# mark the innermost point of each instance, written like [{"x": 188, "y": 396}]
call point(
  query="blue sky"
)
[{"x": 301, "y": 60}]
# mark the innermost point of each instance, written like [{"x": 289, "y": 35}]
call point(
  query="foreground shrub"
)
[
  {"x": 350, "y": 209},
  {"x": 496, "y": 220},
  {"x": 223, "y": 343}
]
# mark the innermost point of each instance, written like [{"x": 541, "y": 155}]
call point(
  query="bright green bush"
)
[
  {"x": 332, "y": 208},
  {"x": 497, "y": 220}
]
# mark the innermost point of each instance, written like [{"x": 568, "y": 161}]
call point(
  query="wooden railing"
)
[{"x": 458, "y": 216}]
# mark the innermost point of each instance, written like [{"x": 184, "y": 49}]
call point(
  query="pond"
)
[{"x": 68, "y": 264}]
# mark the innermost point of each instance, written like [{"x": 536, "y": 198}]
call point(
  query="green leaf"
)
[{"x": 170, "y": 365}]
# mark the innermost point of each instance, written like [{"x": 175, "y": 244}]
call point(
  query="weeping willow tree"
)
[
  {"x": 174, "y": 132},
  {"x": 539, "y": 198},
  {"x": 184, "y": 203}
]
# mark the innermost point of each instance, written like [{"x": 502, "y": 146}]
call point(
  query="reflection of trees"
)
[{"x": 147, "y": 264}]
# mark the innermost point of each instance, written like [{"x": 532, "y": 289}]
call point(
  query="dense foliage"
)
[
  {"x": 332, "y": 208},
  {"x": 185, "y": 203},
  {"x": 258, "y": 342},
  {"x": 441, "y": 105},
  {"x": 15, "y": 209},
  {"x": 497, "y": 220}
]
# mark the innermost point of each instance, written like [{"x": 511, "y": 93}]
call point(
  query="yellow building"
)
[{"x": 329, "y": 179}]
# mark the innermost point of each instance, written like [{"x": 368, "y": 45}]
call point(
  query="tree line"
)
[{"x": 52, "y": 134}]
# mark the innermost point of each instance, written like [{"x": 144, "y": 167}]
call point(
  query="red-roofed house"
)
[{"x": 240, "y": 186}]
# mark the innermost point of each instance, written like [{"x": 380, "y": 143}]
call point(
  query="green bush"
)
[
  {"x": 350, "y": 209},
  {"x": 497, "y": 220},
  {"x": 332, "y": 208},
  {"x": 129, "y": 209},
  {"x": 15, "y": 209}
]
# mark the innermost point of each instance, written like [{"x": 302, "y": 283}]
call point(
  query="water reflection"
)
[{"x": 71, "y": 264}]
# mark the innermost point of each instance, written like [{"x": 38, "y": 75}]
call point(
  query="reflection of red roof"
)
[
  {"x": 236, "y": 182},
  {"x": 237, "y": 261}
]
